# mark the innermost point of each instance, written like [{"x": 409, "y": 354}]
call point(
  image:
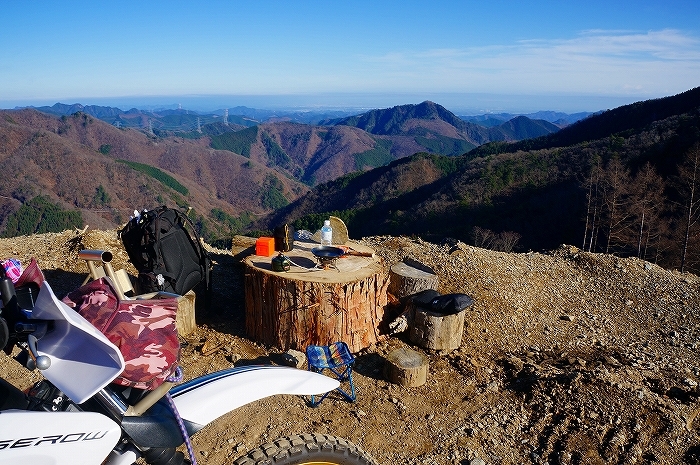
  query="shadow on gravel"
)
[
  {"x": 62, "y": 282},
  {"x": 262, "y": 360},
  {"x": 370, "y": 365},
  {"x": 692, "y": 456},
  {"x": 222, "y": 308}
]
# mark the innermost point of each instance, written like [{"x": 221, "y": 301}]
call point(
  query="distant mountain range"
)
[
  {"x": 315, "y": 153},
  {"x": 234, "y": 165},
  {"x": 410, "y": 169},
  {"x": 182, "y": 120},
  {"x": 582, "y": 185},
  {"x": 557, "y": 118}
]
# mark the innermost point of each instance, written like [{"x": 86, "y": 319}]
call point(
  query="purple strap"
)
[{"x": 176, "y": 378}]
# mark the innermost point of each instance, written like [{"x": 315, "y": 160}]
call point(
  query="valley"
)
[{"x": 410, "y": 169}]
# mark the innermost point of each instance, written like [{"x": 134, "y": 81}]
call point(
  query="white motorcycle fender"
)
[
  {"x": 56, "y": 438},
  {"x": 83, "y": 360},
  {"x": 204, "y": 399}
]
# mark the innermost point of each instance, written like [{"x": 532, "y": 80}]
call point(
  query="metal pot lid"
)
[{"x": 327, "y": 251}]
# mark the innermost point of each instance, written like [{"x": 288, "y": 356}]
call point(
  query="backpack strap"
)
[{"x": 204, "y": 259}]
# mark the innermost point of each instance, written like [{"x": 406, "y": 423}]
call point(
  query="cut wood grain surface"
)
[
  {"x": 305, "y": 306},
  {"x": 406, "y": 367}
]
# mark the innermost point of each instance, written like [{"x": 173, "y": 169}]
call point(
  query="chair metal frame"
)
[{"x": 321, "y": 358}]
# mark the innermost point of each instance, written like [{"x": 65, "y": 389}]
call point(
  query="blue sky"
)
[{"x": 469, "y": 56}]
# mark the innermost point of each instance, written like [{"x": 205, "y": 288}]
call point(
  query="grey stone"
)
[{"x": 294, "y": 358}]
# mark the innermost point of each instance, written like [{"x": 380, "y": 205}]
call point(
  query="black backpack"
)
[{"x": 166, "y": 250}]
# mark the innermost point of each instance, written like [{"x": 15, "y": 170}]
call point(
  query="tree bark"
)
[
  {"x": 434, "y": 330},
  {"x": 409, "y": 277},
  {"x": 406, "y": 367},
  {"x": 293, "y": 311}
]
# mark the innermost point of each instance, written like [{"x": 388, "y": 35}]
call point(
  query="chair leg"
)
[
  {"x": 346, "y": 376},
  {"x": 351, "y": 397},
  {"x": 315, "y": 403}
]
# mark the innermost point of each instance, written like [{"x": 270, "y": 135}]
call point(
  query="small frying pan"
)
[{"x": 329, "y": 252}]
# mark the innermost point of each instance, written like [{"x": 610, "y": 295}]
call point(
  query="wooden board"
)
[
  {"x": 309, "y": 305},
  {"x": 185, "y": 320},
  {"x": 340, "y": 231}
]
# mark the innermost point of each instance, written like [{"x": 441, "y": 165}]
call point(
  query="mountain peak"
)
[{"x": 392, "y": 121}]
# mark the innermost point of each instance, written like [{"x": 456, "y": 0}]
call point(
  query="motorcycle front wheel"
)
[{"x": 307, "y": 449}]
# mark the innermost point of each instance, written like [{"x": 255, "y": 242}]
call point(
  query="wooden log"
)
[
  {"x": 406, "y": 367},
  {"x": 301, "y": 307},
  {"x": 406, "y": 278},
  {"x": 435, "y": 331},
  {"x": 185, "y": 320},
  {"x": 410, "y": 276}
]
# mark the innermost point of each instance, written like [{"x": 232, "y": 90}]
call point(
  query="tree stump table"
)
[{"x": 310, "y": 304}]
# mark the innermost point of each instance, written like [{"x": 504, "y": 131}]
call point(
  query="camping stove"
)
[
  {"x": 327, "y": 256},
  {"x": 327, "y": 262}
]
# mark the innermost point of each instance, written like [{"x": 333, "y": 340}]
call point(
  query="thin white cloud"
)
[{"x": 597, "y": 61}]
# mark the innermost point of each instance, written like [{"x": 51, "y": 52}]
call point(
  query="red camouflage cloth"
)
[
  {"x": 32, "y": 274},
  {"x": 143, "y": 330}
]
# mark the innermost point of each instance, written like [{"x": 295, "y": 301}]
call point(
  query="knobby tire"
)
[{"x": 307, "y": 449}]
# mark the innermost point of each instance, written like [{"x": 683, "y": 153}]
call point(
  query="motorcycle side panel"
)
[
  {"x": 83, "y": 360},
  {"x": 56, "y": 438},
  {"x": 204, "y": 399}
]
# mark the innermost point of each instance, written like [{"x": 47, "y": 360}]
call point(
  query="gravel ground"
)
[{"x": 567, "y": 358}]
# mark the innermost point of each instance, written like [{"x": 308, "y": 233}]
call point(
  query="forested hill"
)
[
  {"x": 627, "y": 191},
  {"x": 393, "y": 120},
  {"x": 94, "y": 165},
  {"x": 101, "y": 173},
  {"x": 633, "y": 117},
  {"x": 431, "y": 118},
  {"x": 315, "y": 154}
]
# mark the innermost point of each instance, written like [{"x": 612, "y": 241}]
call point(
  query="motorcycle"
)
[{"x": 76, "y": 414}]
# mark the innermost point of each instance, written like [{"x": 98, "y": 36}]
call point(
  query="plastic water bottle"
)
[{"x": 327, "y": 233}]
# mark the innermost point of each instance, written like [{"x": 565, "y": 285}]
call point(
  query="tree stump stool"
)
[
  {"x": 435, "y": 331},
  {"x": 409, "y": 276},
  {"x": 308, "y": 305},
  {"x": 406, "y": 278},
  {"x": 406, "y": 367}
]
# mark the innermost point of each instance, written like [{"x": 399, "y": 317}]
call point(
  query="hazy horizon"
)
[
  {"x": 468, "y": 56},
  {"x": 464, "y": 104}
]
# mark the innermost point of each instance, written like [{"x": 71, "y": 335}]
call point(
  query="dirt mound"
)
[{"x": 567, "y": 358}]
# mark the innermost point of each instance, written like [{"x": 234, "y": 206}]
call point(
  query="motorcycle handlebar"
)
[
  {"x": 42, "y": 362},
  {"x": 95, "y": 255},
  {"x": 16, "y": 325},
  {"x": 9, "y": 304},
  {"x": 8, "y": 293},
  {"x": 26, "y": 335}
]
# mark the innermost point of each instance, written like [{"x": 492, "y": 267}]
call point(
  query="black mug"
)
[{"x": 284, "y": 238}]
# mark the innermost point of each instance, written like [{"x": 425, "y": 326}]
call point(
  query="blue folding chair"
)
[{"x": 337, "y": 359}]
